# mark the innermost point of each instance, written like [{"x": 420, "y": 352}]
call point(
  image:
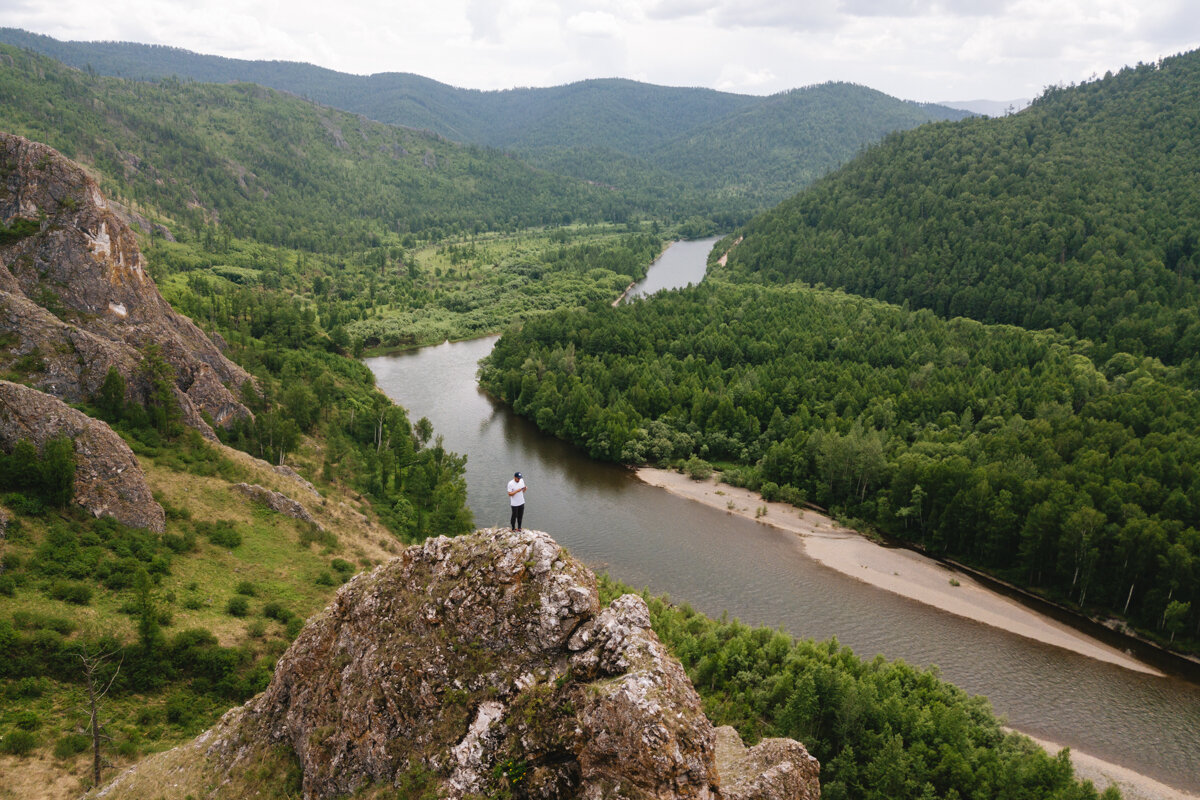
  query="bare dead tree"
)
[{"x": 93, "y": 667}]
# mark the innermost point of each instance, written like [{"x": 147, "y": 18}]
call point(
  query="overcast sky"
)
[{"x": 914, "y": 49}]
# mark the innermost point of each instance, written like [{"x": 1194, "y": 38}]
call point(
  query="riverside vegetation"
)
[
  {"x": 257, "y": 220},
  {"x": 1063, "y": 463}
]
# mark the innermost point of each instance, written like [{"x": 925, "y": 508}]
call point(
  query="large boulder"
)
[
  {"x": 109, "y": 481},
  {"x": 482, "y": 665},
  {"x": 76, "y": 297}
]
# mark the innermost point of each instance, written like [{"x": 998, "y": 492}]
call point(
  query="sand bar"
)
[
  {"x": 896, "y": 570},
  {"x": 922, "y": 579},
  {"x": 1133, "y": 785}
]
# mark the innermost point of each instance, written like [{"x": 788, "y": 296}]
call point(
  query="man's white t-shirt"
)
[{"x": 517, "y": 499}]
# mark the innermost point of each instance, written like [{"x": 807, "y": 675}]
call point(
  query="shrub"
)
[
  {"x": 246, "y": 588},
  {"x": 192, "y": 602},
  {"x": 697, "y": 469},
  {"x": 326, "y": 579},
  {"x": 70, "y": 745},
  {"x": 27, "y": 720},
  {"x": 294, "y": 625},
  {"x": 8, "y": 586},
  {"x": 181, "y": 707},
  {"x": 238, "y": 606},
  {"x": 71, "y": 592},
  {"x": 343, "y": 566},
  {"x": 18, "y": 743},
  {"x": 274, "y": 610},
  {"x": 221, "y": 533}
]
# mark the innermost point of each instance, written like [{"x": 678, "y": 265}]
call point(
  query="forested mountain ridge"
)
[
  {"x": 1078, "y": 213},
  {"x": 724, "y": 155},
  {"x": 277, "y": 169}
]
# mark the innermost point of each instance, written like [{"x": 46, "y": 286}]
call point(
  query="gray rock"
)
[
  {"x": 78, "y": 294},
  {"x": 277, "y": 502},
  {"x": 487, "y": 661},
  {"x": 109, "y": 482}
]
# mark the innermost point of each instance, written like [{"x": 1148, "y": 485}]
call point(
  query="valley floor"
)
[{"x": 911, "y": 575}]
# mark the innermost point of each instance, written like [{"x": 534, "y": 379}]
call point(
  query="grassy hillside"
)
[{"x": 1079, "y": 213}]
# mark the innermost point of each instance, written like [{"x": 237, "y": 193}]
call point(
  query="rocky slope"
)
[
  {"x": 476, "y": 666},
  {"x": 76, "y": 298},
  {"x": 108, "y": 479}
]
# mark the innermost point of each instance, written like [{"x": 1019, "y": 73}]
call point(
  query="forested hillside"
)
[
  {"x": 1079, "y": 213},
  {"x": 681, "y": 151},
  {"x": 275, "y": 168},
  {"x": 1007, "y": 448}
]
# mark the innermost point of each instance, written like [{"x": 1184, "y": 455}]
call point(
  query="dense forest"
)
[
  {"x": 881, "y": 730},
  {"x": 1080, "y": 213},
  {"x": 1006, "y": 448},
  {"x": 679, "y": 151},
  {"x": 270, "y": 167}
]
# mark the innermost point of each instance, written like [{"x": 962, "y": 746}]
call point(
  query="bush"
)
[
  {"x": 274, "y": 610},
  {"x": 27, "y": 688},
  {"x": 181, "y": 707},
  {"x": 246, "y": 588},
  {"x": 697, "y": 469},
  {"x": 294, "y": 625},
  {"x": 326, "y": 579},
  {"x": 8, "y": 586},
  {"x": 27, "y": 720},
  {"x": 71, "y": 592},
  {"x": 18, "y": 743},
  {"x": 237, "y": 606},
  {"x": 220, "y": 533},
  {"x": 343, "y": 566},
  {"x": 70, "y": 745}
]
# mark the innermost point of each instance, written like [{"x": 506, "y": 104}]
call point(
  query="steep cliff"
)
[
  {"x": 476, "y": 666},
  {"x": 76, "y": 299}
]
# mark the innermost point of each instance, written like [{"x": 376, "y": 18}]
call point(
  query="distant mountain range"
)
[{"x": 744, "y": 152}]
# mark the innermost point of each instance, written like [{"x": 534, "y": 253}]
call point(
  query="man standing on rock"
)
[{"x": 516, "y": 499}]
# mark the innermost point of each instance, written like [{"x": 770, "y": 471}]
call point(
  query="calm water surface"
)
[{"x": 720, "y": 564}]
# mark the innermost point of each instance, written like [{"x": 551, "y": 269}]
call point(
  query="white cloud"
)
[{"x": 919, "y": 49}]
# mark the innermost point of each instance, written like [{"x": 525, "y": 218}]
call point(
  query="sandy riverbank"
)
[
  {"x": 895, "y": 570},
  {"x": 1133, "y": 785},
  {"x": 918, "y": 578}
]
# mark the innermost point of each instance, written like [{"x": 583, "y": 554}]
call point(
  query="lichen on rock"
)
[{"x": 487, "y": 663}]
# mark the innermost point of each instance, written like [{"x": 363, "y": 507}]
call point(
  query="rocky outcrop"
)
[
  {"x": 76, "y": 297},
  {"x": 277, "y": 502},
  {"x": 485, "y": 665},
  {"x": 108, "y": 479}
]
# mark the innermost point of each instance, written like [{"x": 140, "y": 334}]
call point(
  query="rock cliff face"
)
[
  {"x": 479, "y": 666},
  {"x": 75, "y": 296},
  {"x": 108, "y": 479}
]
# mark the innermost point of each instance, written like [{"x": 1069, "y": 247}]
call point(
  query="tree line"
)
[{"x": 1008, "y": 449}]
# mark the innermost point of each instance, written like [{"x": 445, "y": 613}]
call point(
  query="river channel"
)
[{"x": 720, "y": 564}]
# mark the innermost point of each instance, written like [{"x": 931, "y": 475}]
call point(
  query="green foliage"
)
[
  {"x": 1005, "y": 448},
  {"x": 238, "y": 606},
  {"x": 676, "y": 150},
  {"x": 71, "y": 744},
  {"x": 279, "y": 169},
  {"x": 71, "y": 592},
  {"x": 221, "y": 533},
  {"x": 1079, "y": 213},
  {"x": 17, "y": 230},
  {"x": 48, "y": 476},
  {"x": 110, "y": 399},
  {"x": 18, "y": 743},
  {"x": 879, "y": 728}
]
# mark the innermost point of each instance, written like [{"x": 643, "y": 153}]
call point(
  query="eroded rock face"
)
[
  {"x": 108, "y": 479},
  {"x": 76, "y": 297},
  {"x": 486, "y": 662}
]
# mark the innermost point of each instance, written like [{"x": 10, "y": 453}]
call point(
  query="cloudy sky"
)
[{"x": 915, "y": 49}]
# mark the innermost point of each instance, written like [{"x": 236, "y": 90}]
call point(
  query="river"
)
[{"x": 719, "y": 564}]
